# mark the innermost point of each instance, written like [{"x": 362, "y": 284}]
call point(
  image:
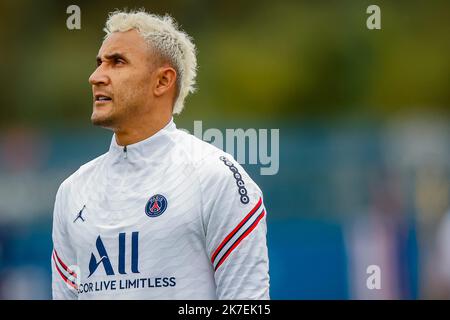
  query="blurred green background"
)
[{"x": 364, "y": 118}]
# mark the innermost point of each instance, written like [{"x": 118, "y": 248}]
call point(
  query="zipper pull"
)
[{"x": 125, "y": 152}]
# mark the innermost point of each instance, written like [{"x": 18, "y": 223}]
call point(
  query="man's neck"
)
[{"x": 134, "y": 134}]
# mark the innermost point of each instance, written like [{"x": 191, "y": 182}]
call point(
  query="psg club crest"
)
[{"x": 156, "y": 206}]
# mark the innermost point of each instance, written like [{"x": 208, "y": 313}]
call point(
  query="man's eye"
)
[{"x": 119, "y": 61}]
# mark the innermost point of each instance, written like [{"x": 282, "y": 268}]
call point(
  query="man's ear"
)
[{"x": 165, "y": 80}]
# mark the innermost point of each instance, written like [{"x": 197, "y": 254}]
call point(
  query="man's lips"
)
[{"x": 101, "y": 98}]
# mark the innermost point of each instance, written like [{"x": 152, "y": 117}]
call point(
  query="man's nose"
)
[{"x": 99, "y": 77}]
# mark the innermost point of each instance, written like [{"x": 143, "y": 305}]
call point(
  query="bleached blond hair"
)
[{"x": 162, "y": 34}]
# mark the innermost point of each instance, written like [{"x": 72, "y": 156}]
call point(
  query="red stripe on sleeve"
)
[
  {"x": 256, "y": 207},
  {"x": 242, "y": 237},
  {"x": 66, "y": 280},
  {"x": 64, "y": 266}
]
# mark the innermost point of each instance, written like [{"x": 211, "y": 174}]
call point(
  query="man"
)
[{"x": 162, "y": 214}]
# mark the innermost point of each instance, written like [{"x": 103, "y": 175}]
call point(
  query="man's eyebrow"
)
[{"x": 112, "y": 56}]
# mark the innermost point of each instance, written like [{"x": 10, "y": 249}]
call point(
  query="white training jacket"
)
[{"x": 169, "y": 217}]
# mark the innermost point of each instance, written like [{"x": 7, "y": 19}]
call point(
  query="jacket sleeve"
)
[
  {"x": 64, "y": 276},
  {"x": 235, "y": 223}
]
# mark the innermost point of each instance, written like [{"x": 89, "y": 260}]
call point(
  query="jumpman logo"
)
[{"x": 79, "y": 214}]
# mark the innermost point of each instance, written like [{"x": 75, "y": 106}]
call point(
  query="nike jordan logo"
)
[{"x": 79, "y": 216}]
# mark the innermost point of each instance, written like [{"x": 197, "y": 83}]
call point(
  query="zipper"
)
[{"x": 125, "y": 152}]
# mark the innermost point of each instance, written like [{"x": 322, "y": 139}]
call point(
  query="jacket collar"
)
[{"x": 151, "y": 148}]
